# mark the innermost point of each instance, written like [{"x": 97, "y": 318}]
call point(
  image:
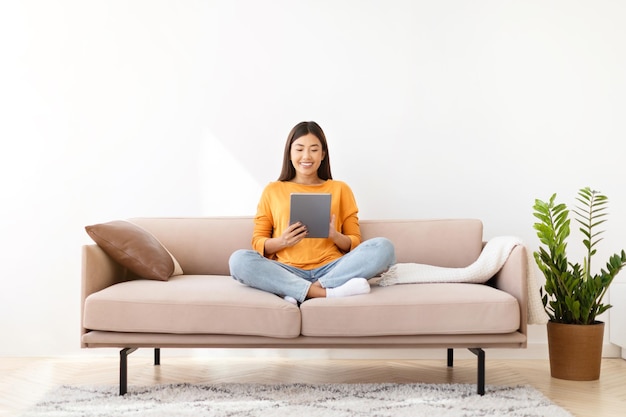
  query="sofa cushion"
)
[
  {"x": 135, "y": 248},
  {"x": 452, "y": 243},
  {"x": 414, "y": 309},
  {"x": 191, "y": 304},
  {"x": 190, "y": 239}
]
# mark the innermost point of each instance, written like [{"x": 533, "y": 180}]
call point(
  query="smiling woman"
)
[{"x": 284, "y": 261}]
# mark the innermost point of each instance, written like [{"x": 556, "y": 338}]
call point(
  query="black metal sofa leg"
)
[
  {"x": 124, "y": 369},
  {"x": 480, "y": 384},
  {"x": 124, "y": 366}
]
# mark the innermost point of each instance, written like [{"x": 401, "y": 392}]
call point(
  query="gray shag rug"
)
[{"x": 300, "y": 400}]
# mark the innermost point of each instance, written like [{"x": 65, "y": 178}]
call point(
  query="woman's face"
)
[{"x": 306, "y": 156}]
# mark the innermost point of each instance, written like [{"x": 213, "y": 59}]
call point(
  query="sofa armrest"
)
[
  {"x": 512, "y": 278},
  {"x": 98, "y": 272}
]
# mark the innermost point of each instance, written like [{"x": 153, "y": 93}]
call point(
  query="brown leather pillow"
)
[{"x": 135, "y": 248}]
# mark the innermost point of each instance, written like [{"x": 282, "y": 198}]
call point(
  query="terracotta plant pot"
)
[{"x": 575, "y": 350}]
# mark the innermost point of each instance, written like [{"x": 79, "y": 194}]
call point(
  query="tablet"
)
[{"x": 312, "y": 210}]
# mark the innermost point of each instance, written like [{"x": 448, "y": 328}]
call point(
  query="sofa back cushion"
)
[
  {"x": 452, "y": 243},
  {"x": 203, "y": 245}
]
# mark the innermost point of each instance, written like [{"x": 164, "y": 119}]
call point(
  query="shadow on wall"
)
[{"x": 227, "y": 188}]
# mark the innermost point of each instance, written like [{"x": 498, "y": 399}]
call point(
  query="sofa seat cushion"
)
[
  {"x": 414, "y": 309},
  {"x": 191, "y": 304}
]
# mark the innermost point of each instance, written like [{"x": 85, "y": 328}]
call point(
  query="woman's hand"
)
[
  {"x": 342, "y": 241},
  {"x": 290, "y": 237},
  {"x": 294, "y": 234}
]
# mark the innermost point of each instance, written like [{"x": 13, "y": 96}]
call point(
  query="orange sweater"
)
[{"x": 272, "y": 219}]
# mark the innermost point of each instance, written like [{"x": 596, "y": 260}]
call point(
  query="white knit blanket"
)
[{"x": 493, "y": 256}]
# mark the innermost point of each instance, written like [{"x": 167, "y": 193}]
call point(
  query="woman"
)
[{"x": 287, "y": 263}]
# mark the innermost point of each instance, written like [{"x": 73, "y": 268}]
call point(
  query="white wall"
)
[{"x": 113, "y": 109}]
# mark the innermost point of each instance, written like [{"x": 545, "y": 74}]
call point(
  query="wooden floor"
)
[{"x": 23, "y": 381}]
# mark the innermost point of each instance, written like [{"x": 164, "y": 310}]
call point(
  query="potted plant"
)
[{"x": 573, "y": 295}]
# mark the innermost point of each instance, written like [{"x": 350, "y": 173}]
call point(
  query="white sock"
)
[
  {"x": 291, "y": 300},
  {"x": 355, "y": 286}
]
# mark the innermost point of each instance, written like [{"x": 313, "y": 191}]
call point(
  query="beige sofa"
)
[{"x": 205, "y": 307}]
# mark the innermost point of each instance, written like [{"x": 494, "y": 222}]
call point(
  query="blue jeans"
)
[{"x": 369, "y": 259}]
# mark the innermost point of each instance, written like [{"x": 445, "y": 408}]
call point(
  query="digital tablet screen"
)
[{"x": 312, "y": 210}]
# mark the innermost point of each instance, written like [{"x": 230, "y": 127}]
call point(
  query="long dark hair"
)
[{"x": 301, "y": 129}]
